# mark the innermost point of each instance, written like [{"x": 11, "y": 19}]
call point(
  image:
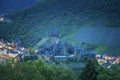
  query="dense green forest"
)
[
  {"x": 40, "y": 70},
  {"x": 93, "y": 72},
  {"x": 35, "y": 70}
]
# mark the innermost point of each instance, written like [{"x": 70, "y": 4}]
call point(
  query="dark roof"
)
[
  {"x": 55, "y": 33},
  {"x": 12, "y": 51}
]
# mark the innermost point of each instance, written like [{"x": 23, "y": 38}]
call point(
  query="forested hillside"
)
[{"x": 35, "y": 22}]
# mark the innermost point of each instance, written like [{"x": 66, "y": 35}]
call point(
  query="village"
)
[{"x": 54, "y": 50}]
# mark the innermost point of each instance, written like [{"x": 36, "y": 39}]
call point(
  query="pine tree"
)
[{"x": 89, "y": 72}]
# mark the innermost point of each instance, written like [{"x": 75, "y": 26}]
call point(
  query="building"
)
[
  {"x": 55, "y": 36},
  {"x": 101, "y": 61},
  {"x": 118, "y": 60},
  {"x": 1, "y": 19},
  {"x": 108, "y": 57},
  {"x": 98, "y": 56},
  {"x": 71, "y": 57},
  {"x": 60, "y": 58},
  {"x": 4, "y": 51},
  {"x": 12, "y": 53},
  {"x": 4, "y": 18},
  {"x": 8, "y": 47}
]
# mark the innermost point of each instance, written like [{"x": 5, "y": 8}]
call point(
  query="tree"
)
[
  {"x": 89, "y": 72},
  {"x": 108, "y": 74},
  {"x": 35, "y": 70},
  {"x": 103, "y": 73}
]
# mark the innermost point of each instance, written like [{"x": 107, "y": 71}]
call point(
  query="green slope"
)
[{"x": 37, "y": 21}]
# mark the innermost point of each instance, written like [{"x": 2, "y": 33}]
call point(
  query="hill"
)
[
  {"x": 7, "y": 6},
  {"x": 35, "y": 22}
]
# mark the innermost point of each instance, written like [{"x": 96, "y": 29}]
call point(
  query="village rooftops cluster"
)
[
  {"x": 55, "y": 50},
  {"x": 12, "y": 50},
  {"x": 59, "y": 51},
  {"x": 62, "y": 51},
  {"x": 107, "y": 59}
]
